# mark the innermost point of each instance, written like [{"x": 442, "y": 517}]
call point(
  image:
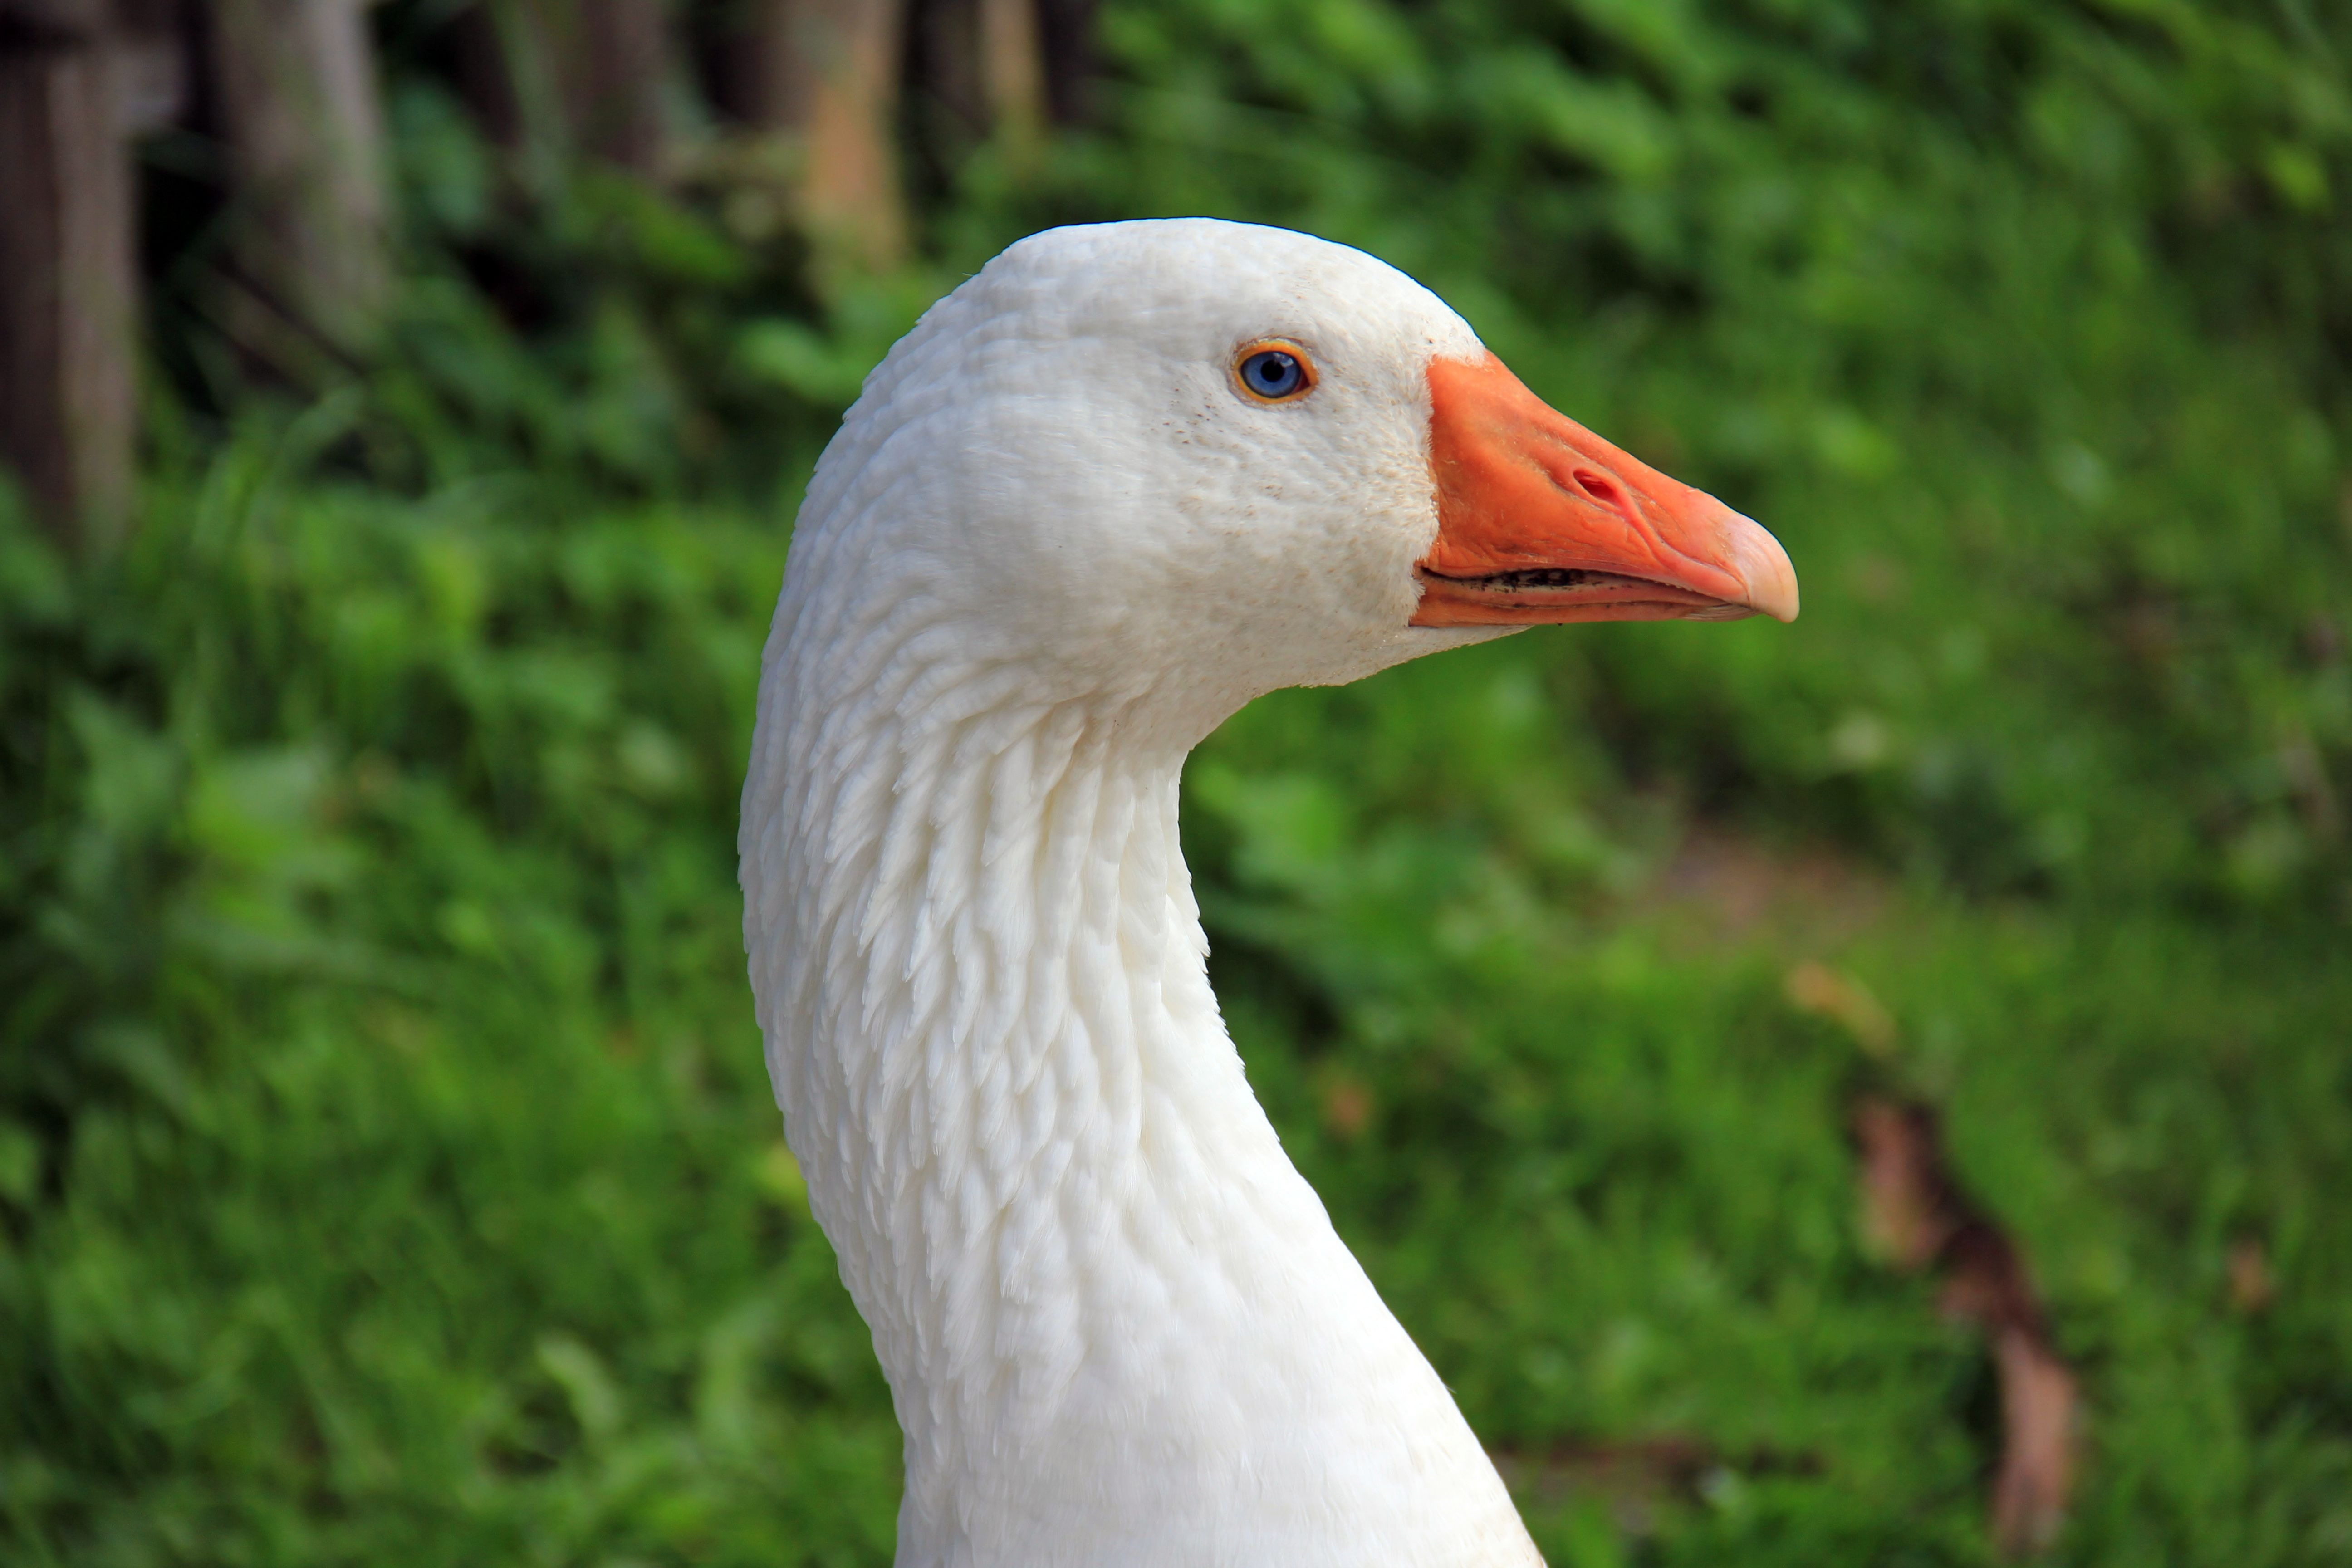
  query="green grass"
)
[
  {"x": 1605, "y": 1179},
  {"x": 387, "y": 1172},
  {"x": 394, "y": 1178}
]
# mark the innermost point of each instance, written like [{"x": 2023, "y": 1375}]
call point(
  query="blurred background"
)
[{"x": 1862, "y": 1091}]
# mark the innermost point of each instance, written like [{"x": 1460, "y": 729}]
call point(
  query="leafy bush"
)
[{"x": 2021, "y": 324}]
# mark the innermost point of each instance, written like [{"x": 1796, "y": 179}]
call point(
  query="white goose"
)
[{"x": 1120, "y": 483}]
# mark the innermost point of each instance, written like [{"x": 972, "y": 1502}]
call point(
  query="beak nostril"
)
[{"x": 1540, "y": 521}]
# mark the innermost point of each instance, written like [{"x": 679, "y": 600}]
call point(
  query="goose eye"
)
[{"x": 1274, "y": 372}]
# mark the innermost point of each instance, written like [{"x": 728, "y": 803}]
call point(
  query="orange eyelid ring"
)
[{"x": 1299, "y": 356}]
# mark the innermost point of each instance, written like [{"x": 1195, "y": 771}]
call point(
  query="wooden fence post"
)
[
  {"x": 982, "y": 63},
  {"x": 551, "y": 77},
  {"x": 822, "y": 76},
  {"x": 1012, "y": 76},
  {"x": 620, "y": 63},
  {"x": 304, "y": 123},
  {"x": 68, "y": 344}
]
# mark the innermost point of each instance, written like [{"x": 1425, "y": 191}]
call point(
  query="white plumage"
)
[{"x": 1052, "y": 546}]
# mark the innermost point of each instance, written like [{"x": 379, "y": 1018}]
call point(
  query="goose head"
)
[
  {"x": 1212, "y": 460},
  {"x": 1118, "y": 484}
]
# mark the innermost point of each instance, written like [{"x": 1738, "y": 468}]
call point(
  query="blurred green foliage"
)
[{"x": 386, "y": 1169}]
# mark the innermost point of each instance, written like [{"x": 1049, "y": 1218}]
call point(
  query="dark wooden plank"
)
[
  {"x": 302, "y": 118},
  {"x": 67, "y": 272}
]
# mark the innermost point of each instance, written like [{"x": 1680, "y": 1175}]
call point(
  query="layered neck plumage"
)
[{"x": 1117, "y": 1323}]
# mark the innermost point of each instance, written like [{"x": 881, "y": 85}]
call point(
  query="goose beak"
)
[{"x": 1540, "y": 521}]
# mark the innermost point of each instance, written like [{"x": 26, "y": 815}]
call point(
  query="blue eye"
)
[{"x": 1273, "y": 373}]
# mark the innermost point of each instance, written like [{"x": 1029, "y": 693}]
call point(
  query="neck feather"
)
[{"x": 1117, "y": 1323}]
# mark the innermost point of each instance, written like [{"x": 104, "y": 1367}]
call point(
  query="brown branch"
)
[{"x": 1916, "y": 1215}]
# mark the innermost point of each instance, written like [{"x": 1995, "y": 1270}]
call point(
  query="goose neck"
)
[{"x": 1117, "y": 1323}]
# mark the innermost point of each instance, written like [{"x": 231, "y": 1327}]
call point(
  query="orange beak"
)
[{"x": 1540, "y": 521}]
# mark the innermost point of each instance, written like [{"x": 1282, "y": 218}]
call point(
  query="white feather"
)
[{"x": 1050, "y": 549}]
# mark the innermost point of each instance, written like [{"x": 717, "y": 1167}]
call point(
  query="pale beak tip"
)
[{"x": 1766, "y": 569}]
